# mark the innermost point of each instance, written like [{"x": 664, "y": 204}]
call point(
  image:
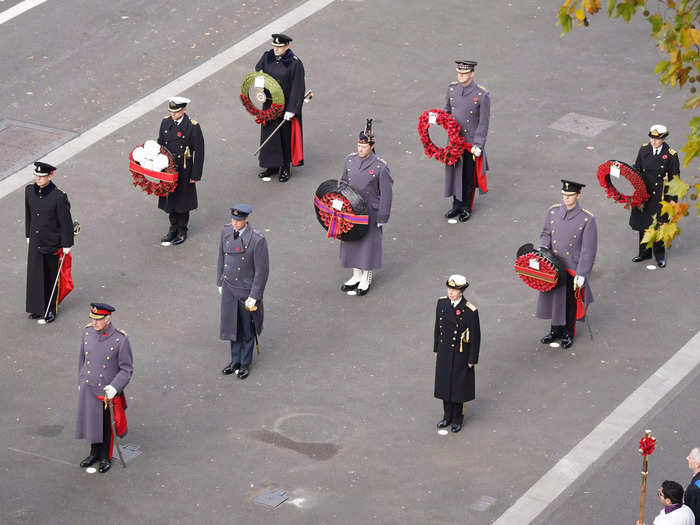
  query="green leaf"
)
[
  {"x": 677, "y": 187},
  {"x": 649, "y": 237},
  {"x": 661, "y": 67},
  {"x": 667, "y": 232},
  {"x": 692, "y": 102},
  {"x": 611, "y": 6},
  {"x": 656, "y": 23},
  {"x": 565, "y": 22}
]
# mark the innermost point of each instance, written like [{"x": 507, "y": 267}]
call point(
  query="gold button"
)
[
  {"x": 104, "y": 366},
  {"x": 88, "y": 371},
  {"x": 88, "y": 362},
  {"x": 107, "y": 358},
  {"x": 551, "y": 222},
  {"x": 554, "y": 241},
  {"x": 570, "y": 245},
  {"x": 574, "y": 236},
  {"x": 99, "y": 384},
  {"x": 111, "y": 348},
  {"x": 86, "y": 381},
  {"x": 555, "y": 251},
  {"x": 567, "y": 253},
  {"x": 101, "y": 375},
  {"x": 117, "y": 339}
]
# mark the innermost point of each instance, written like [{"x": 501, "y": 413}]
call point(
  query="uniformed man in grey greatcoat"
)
[
  {"x": 657, "y": 163},
  {"x": 242, "y": 272},
  {"x": 457, "y": 341},
  {"x": 49, "y": 229},
  {"x": 105, "y": 367},
  {"x": 570, "y": 231},
  {"x": 470, "y": 104},
  {"x": 370, "y": 176}
]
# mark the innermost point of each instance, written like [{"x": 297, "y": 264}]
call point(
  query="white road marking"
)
[
  {"x": 64, "y": 462},
  {"x": 682, "y": 365},
  {"x": 158, "y": 97},
  {"x": 16, "y": 10}
]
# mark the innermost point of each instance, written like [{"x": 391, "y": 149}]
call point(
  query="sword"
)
[
  {"x": 255, "y": 332},
  {"x": 307, "y": 96},
  {"x": 111, "y": 424},
  {"x": 48, "y": 305}
]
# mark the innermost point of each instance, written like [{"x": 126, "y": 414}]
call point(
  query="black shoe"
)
[
  {"x": 168, "y": 237},
  {"x": 361, "y": 291},
  {"x": 444, "y": 423},
  {"x": 284, "y": 174},
  {"x": 456, "y": 427},
  {"x": 50, "y": 318},
  {"x": 268, "y": 172},
  {"x": 640, "y": 258},
  {"x": 549, "y": 338},
  {"x": 181, "y": 237},
  {"x": 88, "y": 461},
  {"x": 464, "y": 217},
  {"x": 348, "y": 287},
  {"x": 105, "y": 465},
  {"x": 34, "y": 316},
  {"x": 231, "y": 368},
  {"x": 567, "y": 341},
  {"x": 243, "y": 372},
  {"x": 453, "y": 212},
  {"x": 661, "y": 263}
]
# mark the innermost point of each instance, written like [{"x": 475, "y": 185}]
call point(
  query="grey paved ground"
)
[{"x": 338, "y": 409}]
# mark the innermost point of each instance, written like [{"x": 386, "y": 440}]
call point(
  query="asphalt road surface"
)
[{"x": 338, "y": 409}]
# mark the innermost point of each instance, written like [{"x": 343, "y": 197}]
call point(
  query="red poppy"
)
[
  {"x": 238, "y": 248},
  {"x": 476, "y": 99},
  {"x": 458, "y": 312},
  {"x": 371, "y": 172},
  {"x": 664, "y": 157},
  {"x": 179, "y": 134}
]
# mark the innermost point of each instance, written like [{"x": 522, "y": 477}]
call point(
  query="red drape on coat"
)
[{"x": 297, "y": 143}]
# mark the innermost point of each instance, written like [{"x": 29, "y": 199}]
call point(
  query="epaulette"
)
[
  {"x": 554, "y": 206},
  {"x": 383, "y": 161},
  {"x": 59, "y": 189},
  {"x": 123, "y": 332},
  {"x": 471, "y": 306},
  {"x": 295, "y": 57},
  {"x": 441, "y": 297},
  {"x": 453, "y": 83},
  {"x": 352, "y": 154},
  {"x": 482, "y": 88},
  {"x": 258, "y": 233},
  {"x": 166, "y": 117},
  {"x": 672, "y": 151},
  {"x": 645, "y": 144},
  {"x": 588, "y": 212},
  {"x": 194, "y": 122},
  {"x": 89, "y": 324}
]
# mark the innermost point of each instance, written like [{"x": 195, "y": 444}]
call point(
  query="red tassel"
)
[{"x": 297, "y": 143}]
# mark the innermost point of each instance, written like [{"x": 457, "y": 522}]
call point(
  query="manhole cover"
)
[
  {"x": 308, "y": 428},
  {"x": 21, "y": 143},
  {"x": 581, "y": 124},
  {"x": 483, "y": 503},
  {"x": 129, "y": 451},
  {"x": 271, "y": 498}
]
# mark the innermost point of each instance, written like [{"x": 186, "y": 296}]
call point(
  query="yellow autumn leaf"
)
[
  {"x": 680, "y": 211},
  {"x": 667, "y": 232},
  {"x": 649, "y": 237},
  {"x": 668, "y": 208},
  {"x": 694, "y": 35},
  {"x": 580, "y": 15}
]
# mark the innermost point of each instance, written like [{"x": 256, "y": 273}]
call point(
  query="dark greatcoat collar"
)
[
  {"x": 286, "y": 58},
  {"x": 45, "y": 190}
]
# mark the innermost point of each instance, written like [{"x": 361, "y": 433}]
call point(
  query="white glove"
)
[
  {"x": 476, "y": 151},
  {"x": 249, "y": 303},
  {"x": 27, "y": 240},
  {"x": 579, "y": 280},
  {"x": 110, "y": 391},
  {"x": 220, "y": 289},
  {"x": 66, "y": 250},
  {"x": 288, "y": 115},
  {"x": 380, "y": 224}
]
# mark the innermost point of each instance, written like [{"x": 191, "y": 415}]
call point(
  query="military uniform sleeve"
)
[
  {"x": 546, "y": 235},
  {"x": 344, "y": 176},
  {"x": 296, "y": 90},
  {"x": 638, "y": 162},
  {"x": 81, "y": 357},
  {"x": 65, "y": 221},
  {"x": 27, "y": 212},
  {"x": 437, "y": 327},
  {"x": 261, "y": 261},
  {"x": 475, "y": 339},
  {"x": 197, "y": 147},
  {"x": 161, "y": 135},
  {"x": 448, "y": 106},
  {"x": 220, "y": 261},
  {"x": 126, "y": 366},
  {"x": 482, "y": 129},
  {"x": 589, "y": 247},
  {"x": 386, "y": 184},
  {"x": 261, "y": 63}
]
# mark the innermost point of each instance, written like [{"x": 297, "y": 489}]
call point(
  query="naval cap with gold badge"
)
[
  {"x": 457, "y": 282},
  {"x": 658, "y": 131},
  {"x": 280, "y": 39},
  {"x": 241, "y": 211},
  {"x": 42, "y": 169},
  {"x": 100, "y": 310},
  {"x": 569, "y": 187},
  {"x": 465, "y": 66},
  {"x": 175, "y": 104}
]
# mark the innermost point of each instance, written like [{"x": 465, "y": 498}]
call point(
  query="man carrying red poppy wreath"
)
[{"x": 657, "y": 164}]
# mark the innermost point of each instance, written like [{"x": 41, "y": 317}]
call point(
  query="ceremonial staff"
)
[
  {"x": 646, "y": 447},
  {"x": 307, "y": 96},
  {"x": 110, "y": 403}
]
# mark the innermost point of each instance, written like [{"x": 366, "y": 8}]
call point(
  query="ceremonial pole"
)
[{"x": 646, "y": 447}]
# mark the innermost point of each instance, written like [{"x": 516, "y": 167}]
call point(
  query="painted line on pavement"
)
[
  {"x": 63, "y": 461},
  {"x": 16, "y": 10},
  {"x": 603, "y": 437},
  {"x": 158, "y": 97}
]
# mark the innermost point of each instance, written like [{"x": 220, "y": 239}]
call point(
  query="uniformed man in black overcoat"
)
[
  {"x": 456, "y": 346},
  {"x": 183, "y": 138},
  {"x": 49, "y": 230},
  {"x": 286, "y": 68},
  {"x": 657, "y": 163}
]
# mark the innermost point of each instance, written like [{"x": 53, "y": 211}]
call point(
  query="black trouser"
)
[
  {"x": 178, "y": 221},
  {"x": 242, "y": 347},
  {"x": 42, "y": 269},
  {"x": 659, "y": 249},
  {"x": 453, "y": 412},
  {"x": 468, "y": 183},
  {"x": 103, "y": 450},
  {"x": 570, "y": 327}
]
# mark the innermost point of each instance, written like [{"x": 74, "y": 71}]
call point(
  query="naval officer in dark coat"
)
[
  {"x": 657, "y": 163},
  {"x": 570, "y": 231},
  {"x": 286, "y": 68},
  {"x": 105, "y": 367},
  {"x": 456, "y": 345},
  {"x": 49, "y": 230},
  {"x": 370, "y": 176},
  {"x": 242, "y": 271},
  {"x": 470, "y": 104},
  {"x": 182, "y": 137}
]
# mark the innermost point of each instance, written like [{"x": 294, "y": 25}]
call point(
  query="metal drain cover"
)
[{"x": 271, "y": 498}]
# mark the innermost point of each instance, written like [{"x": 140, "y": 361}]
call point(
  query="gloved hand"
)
[
  {"x": 380, "y": 224},
  {"x": 110, "y": 391},
  {"x": 220, "y": 289},
  {"x": 66, "y": 250},
  {"x": 288, "y": 115},
  {"x": 27, "y": 240},
  {"x": 579, "y": 280},
  {"x": 249, "y": 303},
  {"x": 476, "y": 151}
]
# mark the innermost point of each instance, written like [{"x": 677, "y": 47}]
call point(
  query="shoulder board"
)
[
  {"x": 588, "y": 212},
  {"x": 645, "y": 144},
  {"x": 59, "y": 189},
  {"x": 443, "y": 297},
  {"x": 352, "y": 154},
  {"x": 382, "y": 160},
  {"x": 453, "y": 83},
  {"x": 122, "y": 331},
  {"x": 256, "y": 232},
  {"x": 194, "y": 122},
  {"x": 672, "y": 151},
  {"x": 482, "y": 88},
  {"x": 89, "y": 324},
  {"x": 295, "y": 57},
  {"x": 166, "y": 117},
  {"x": 471, "y": 306},
  {"x": 554, "y": 206}
]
